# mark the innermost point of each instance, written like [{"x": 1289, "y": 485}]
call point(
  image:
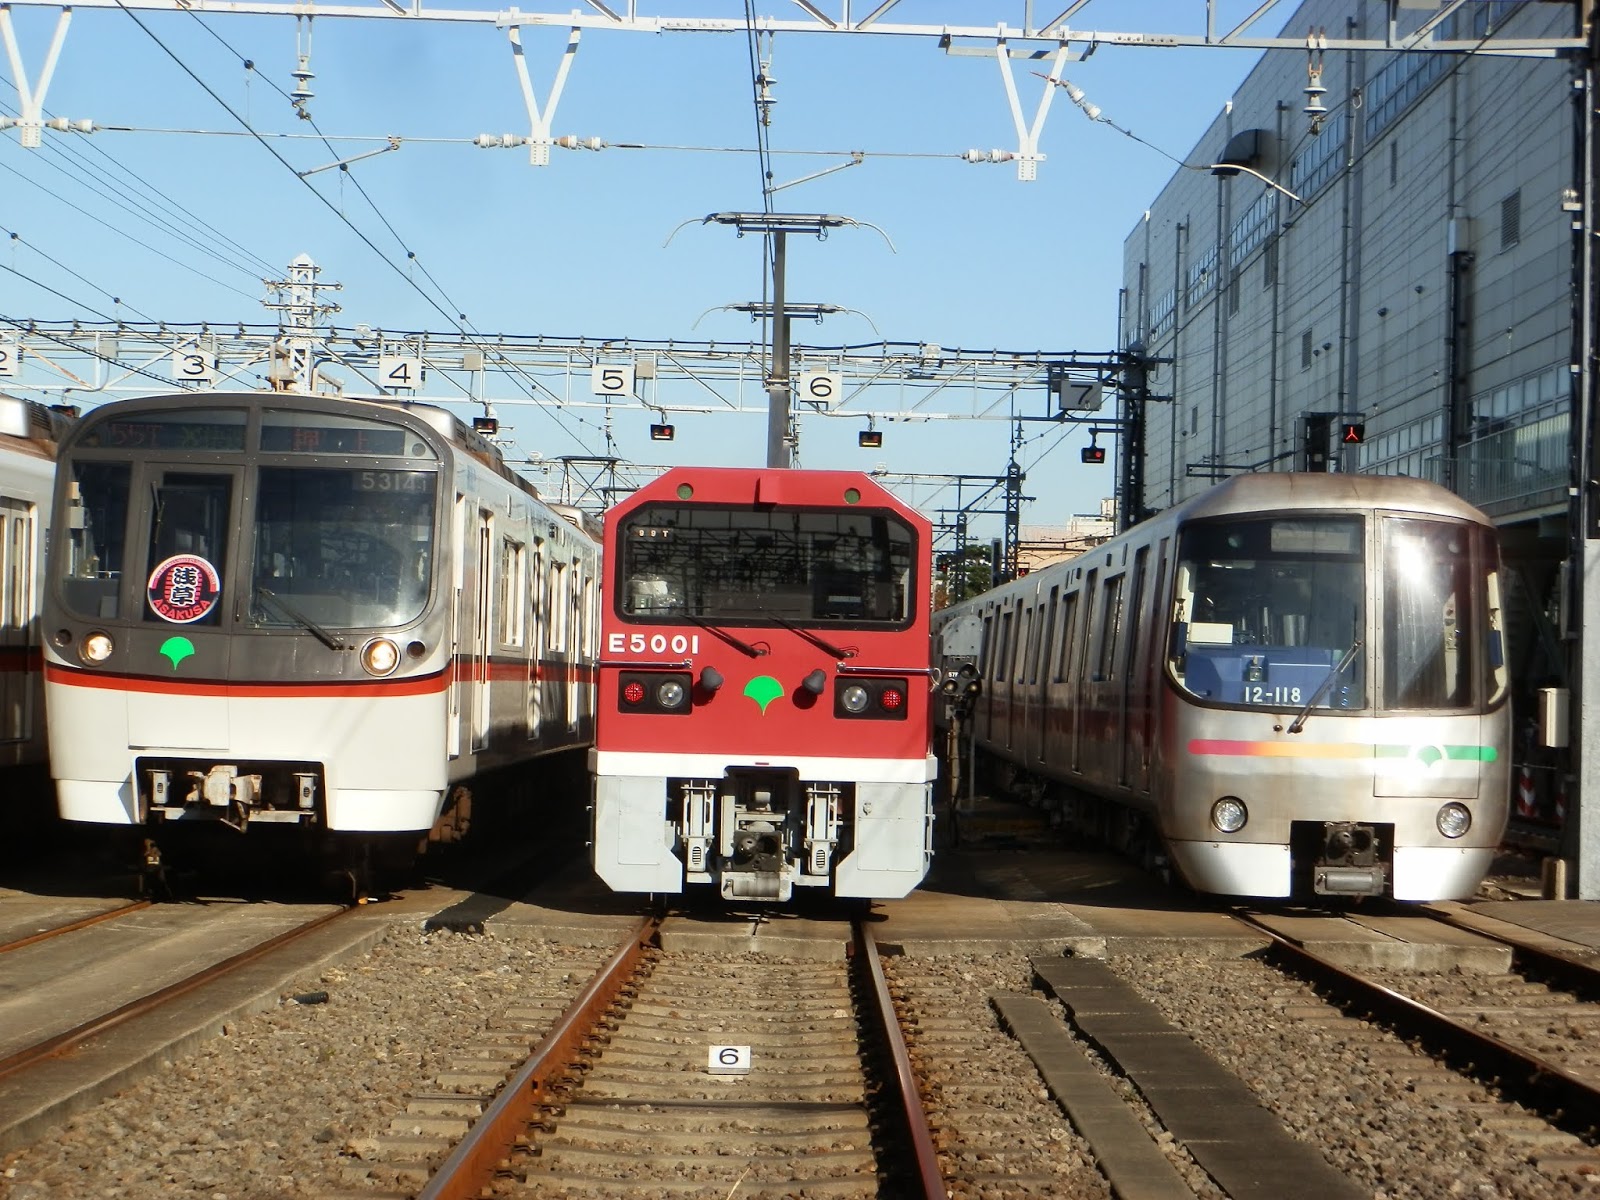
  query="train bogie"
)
[{"x": 1297, "y": 683}]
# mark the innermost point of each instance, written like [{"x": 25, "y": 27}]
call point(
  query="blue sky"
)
[{"x": 979, "y": 259}]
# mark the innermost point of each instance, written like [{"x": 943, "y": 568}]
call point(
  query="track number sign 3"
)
[{"x": 729, "y": 1060}]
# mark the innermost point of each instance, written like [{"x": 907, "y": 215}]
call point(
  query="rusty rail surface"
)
[
  {"x": 472, "y": 1165},
  {"x": 1564, "y": 1100},
  {"x": 908, "y": 1107},
  {"x": 63, "y": 1042},
  {"x": 44, "y": 935}
]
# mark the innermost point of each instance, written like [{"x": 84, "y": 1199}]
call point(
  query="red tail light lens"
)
[
  {"x": 891, "y": 699},
  {"x": 633, "y": 692}
]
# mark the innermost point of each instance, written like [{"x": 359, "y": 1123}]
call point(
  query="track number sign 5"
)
[{"x": 611, "y": 379}]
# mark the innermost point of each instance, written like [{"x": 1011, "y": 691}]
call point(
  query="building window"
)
[
  {"x": 1394, "y": 162},
  {"x": 1511, "y": 220},
  {"x": 1269, "y": 264},
  {"x": 1305, "y": 351}
]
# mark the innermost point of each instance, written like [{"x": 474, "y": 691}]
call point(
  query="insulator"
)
[{"x": 572, "y": 142}]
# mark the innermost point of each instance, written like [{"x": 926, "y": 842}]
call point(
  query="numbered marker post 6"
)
[{"x": 728, "y": 1060}]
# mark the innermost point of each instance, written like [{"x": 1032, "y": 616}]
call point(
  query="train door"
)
[
  {"x": 999, "y": 694},
  {"x": 1078, "y": 683},
  {"x": 1108, "y": 729},
  {"x": 1150, "y": 650},
  {"x": 18, "y": 673},
  {"x": 482, "y": 627},
  {"x": 1039, "y": 679},
  {"x": 186, "y": 524},
  {"x": 1133, "y": 692},
  {"x": 573, "y": 601},
  {"x": 536, "y": 639},
  {"x": 458, "y": 584},
  {"x": 1017, "y": 709},
  {"x": 1060, "y": 752}
]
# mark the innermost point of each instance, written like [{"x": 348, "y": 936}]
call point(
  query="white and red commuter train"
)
[
  {"x": 1292, "y": 685},
  {"x": 764, "y": 716},
  {"x": 28, "y": 436},
  {"x": 332, "y": 614}
]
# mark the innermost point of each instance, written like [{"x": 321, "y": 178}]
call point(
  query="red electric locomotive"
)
[{"x": 764, "y": 687}]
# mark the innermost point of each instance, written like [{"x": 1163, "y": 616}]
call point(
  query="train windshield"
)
[
  {"x": 757, "y": 565},
  {"x": 341, "y": 548},
  {"x": 90, "y": 563},
  {"x": 1438, "y": 580},
  {"x": 1266, "y": 611}
]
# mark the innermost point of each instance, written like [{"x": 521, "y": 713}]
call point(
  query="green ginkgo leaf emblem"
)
[
  {"x": 176, "y": 649},
  {"x": 763, "y": 689}
]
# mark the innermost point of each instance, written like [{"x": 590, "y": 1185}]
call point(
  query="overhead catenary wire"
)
[
  {"x": 456, "y": 319},
  {"x": 135, "y": 196}
]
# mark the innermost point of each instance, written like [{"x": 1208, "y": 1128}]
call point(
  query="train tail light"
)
[
  {"x": 655, "y": 692},
  {"x": 870, "y": 699}
]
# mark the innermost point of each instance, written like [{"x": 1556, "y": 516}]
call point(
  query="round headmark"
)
[{"x": 183, "y": 588}]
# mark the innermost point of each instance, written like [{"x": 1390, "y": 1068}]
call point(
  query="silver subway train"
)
[
  {"x": 278, "y": 610},
  {"x": 1293, "y": 685}
]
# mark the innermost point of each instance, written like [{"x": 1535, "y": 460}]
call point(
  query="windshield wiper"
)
[
  {"x": 1299, "y": 722},
  {"x": 807, "y": 634},
  {"x": 736, "y": 643},
  {"x": 331, "y": 641}
]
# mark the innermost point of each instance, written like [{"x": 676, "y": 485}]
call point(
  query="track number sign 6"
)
[{"x": 729, "y": 1060}]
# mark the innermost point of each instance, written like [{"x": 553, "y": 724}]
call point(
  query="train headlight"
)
[
  {"x": 96, "y": 647},
  {"x": 1229, "y": 814},
  {"x": 670, "y": 694},
  {"x": 854, "y": 698},
  {"x": 1453, "y": 820},
  {"x": 380, "y": 657}
]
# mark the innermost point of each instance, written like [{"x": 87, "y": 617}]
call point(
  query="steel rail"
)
[
  {"x": 909, "y": 1109},
  {"x": 1564, "y": 1100},
  {"x": 1553, "y": 967},
  {"x": 62, "y": 1042},
  {"x": 472, "y": 1165},
  {"x": 44, "y": 935}
]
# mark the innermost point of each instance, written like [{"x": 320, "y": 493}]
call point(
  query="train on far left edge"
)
[
  {"x": 328, "y": 617},
  {"x": 28, "y": 435}
]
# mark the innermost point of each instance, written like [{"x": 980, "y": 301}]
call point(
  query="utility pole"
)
[
  {"x": 778, "y": 226},
  {"x": 301, "y": 311}
]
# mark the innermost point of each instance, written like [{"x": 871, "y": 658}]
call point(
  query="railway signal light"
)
[
  {"x": 870, "y": 439},
  {"x": 1094, "y": 454},
  {"x": 1352, "y": 434},
  {"x": 662, "y": 433}
]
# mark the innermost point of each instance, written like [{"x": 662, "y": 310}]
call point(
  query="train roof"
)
[
  {"x": 32, "y": 422},
  {"x": 790, "y": 487},
  {"x": 443, "y": 422},
  {"x": 1281, "y": 491}
]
